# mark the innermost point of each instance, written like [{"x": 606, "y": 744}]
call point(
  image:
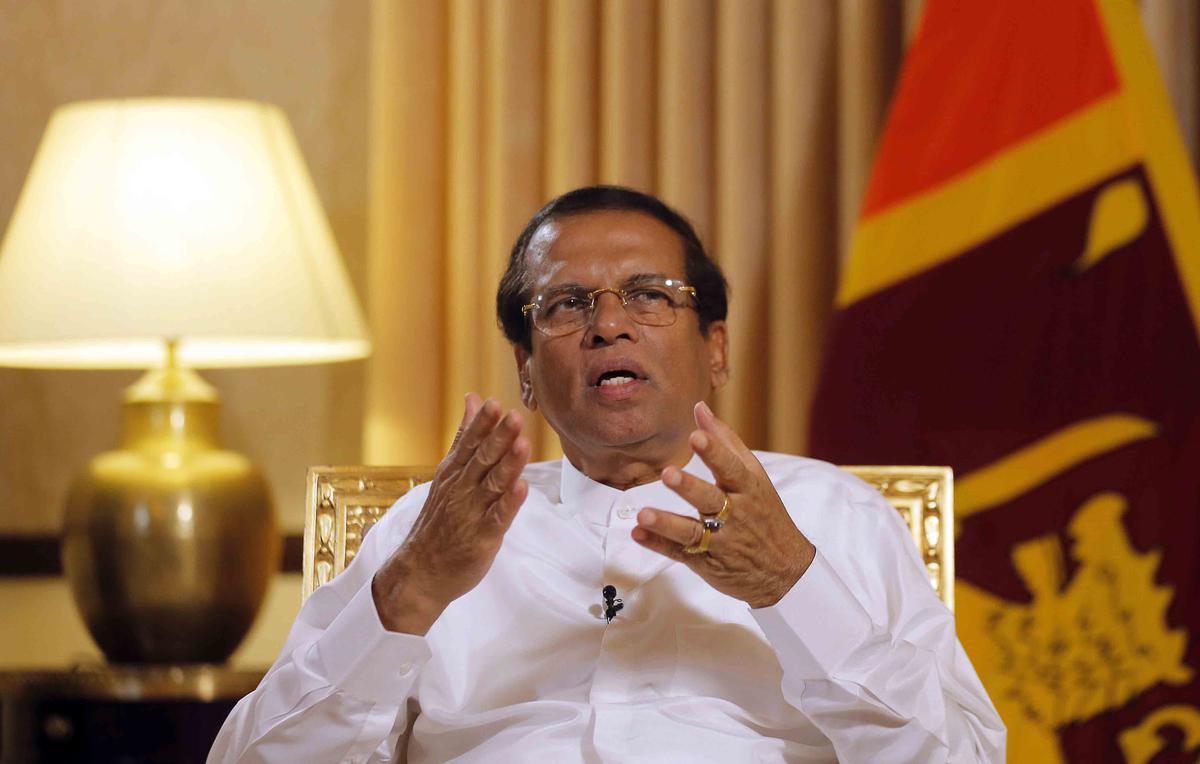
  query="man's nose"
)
[{"x": 610, "y": 320}]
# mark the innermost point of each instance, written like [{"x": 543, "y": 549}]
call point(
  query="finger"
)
[
  {"x": 505, "y": 508},
  {"x": 730, "y": 472},
  {"x": 505, "y": 472},
  {"x": 701, "y": 494},
  {"x": 663, "y": 546},
  {"x": 677, "y": 528},
  {"x": 471, "y": 407},
  {"x": 481, "y": 425},
  {"x": 493, "y": 448},
  {"x": 707, "y": 421}
]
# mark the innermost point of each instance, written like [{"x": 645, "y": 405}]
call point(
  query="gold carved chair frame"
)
[{"x": 343, "y": 503}]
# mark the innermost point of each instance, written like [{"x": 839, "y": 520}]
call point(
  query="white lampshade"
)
[{"x": 188, "y": 219}]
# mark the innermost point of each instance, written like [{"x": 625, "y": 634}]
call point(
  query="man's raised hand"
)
[
  {"x": 476, "y": 492},
  {"x": 759, "y": 553}
]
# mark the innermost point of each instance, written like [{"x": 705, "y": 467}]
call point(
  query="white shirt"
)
[{"x": 857, "y": 663}]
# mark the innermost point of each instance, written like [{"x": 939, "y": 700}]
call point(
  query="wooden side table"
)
[{"x": 129, "y": 713}]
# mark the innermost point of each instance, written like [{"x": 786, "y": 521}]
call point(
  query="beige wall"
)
[{"x": 310, "y": 58}]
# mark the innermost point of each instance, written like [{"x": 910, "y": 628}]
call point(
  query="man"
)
[{"x": 773, "y": 607}]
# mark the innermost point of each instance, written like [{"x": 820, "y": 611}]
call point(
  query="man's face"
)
[{"x": 666, "y": 369}]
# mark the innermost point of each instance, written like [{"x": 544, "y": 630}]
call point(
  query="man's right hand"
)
[{"x": 476, "y": 492}]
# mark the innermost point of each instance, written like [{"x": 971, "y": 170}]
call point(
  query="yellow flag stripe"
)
[
  {"x": 1171, "y": 178},
  {"x": 1035, "y": 464},
  {"x": 1001, "y": 192}
]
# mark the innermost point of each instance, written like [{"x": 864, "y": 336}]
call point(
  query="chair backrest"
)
[{"x": 343, "y": 503}]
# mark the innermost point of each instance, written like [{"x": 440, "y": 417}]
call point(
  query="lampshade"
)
[{"x": 188, "y": 219}]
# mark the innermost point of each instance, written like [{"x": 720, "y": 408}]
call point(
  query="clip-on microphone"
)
[{"x": 611, "y": 605}]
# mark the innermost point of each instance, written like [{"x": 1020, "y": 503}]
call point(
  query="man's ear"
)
[
  {"x": 718, "y": 354},
  {"x": 523, "y": 359}
]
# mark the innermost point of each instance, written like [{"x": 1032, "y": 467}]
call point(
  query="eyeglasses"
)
[{"x": 651, "y": 303}]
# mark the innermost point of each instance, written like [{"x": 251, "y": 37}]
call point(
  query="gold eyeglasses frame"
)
[{"x": 622, "y": 294}]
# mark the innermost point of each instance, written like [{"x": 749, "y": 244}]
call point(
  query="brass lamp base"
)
[{"x": 169, "y": 542}]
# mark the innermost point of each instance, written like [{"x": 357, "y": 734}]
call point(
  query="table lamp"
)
[{"x": 169, "y": 235}]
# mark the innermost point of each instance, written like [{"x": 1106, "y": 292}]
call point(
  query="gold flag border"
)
[{"x": 1168, "y": 165}]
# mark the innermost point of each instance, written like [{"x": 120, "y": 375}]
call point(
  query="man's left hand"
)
[{"x": 759, "y": 553}]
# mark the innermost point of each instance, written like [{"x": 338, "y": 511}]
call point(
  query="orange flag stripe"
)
[
  {"x": 957, "y": 106},
  {"x": 937, "y": 221},
  {"x": 990, "y": 198}
]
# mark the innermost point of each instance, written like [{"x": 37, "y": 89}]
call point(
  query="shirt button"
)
[
  {"x": 625, "y": 511},
  {"x": 404, "y": 668}
]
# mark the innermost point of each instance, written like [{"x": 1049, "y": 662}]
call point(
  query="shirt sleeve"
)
[
  {"x": 339, "y": 690},
  {"x": 870, "y": 655}
]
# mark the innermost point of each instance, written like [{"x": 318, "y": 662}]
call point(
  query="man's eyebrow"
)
[
  {"x": 641, "y": 278},
  {"x": 569, "y": 286},
  {"x": 634, "y": 280}
]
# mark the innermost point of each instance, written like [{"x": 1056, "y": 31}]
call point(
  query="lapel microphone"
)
[{"x": 611, "y": 605}]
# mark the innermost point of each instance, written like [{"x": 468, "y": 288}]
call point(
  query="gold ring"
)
[
  {"x": 715, "y": 522},
  {"x": 700, "y": 547}
]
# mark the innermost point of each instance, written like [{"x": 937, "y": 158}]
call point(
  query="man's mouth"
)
[
  {"x": 611, "y": 378},
  {"x": 617, "y": 379}
]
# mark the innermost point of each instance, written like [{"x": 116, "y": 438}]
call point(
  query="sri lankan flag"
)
[{"x": 1022, "y": 302}]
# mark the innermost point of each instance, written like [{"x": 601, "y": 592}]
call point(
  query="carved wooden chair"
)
[{"x": 342, "y": 503}]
